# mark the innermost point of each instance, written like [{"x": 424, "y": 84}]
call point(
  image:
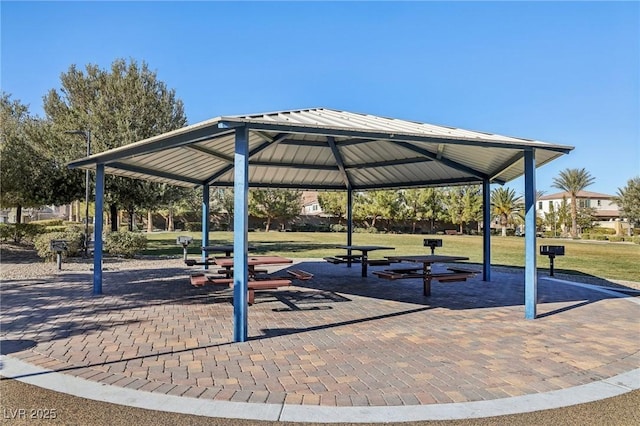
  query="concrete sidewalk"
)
[{"x": 340, "y": 348}]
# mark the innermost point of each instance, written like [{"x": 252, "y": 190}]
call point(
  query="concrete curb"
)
[{"x": 27, "y": 373}]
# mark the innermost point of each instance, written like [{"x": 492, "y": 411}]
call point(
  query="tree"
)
[
  {"x": 224, "y": 202},
  {"x": 573, "y": 181},
  {"x": 422, "y": 204},
  {"x": 585, "y": 218},
  {"x": 122, "y": 105},
  {"x": 564, "y": 215},
  {"x": 462, "y": 204},
  {"x": 275, "y": 204},
  {"x": 28, "y": 157},
  {"x": 551, "y": 219},
  {"x": 334, "y": 203},
  {"x": 376, "y": 205},
  {"x": 506, "y": 207},
  {"x": 16, "y": 154},
  {"x": 628, "y": 199}
]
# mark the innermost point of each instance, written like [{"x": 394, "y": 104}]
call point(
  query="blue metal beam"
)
[
  {"x": 339, "y": 161},
  {"x": 205, "y": 222},
  {"x": 97, "y": 231},
  {"x": 240, "y": 236},
  {"x": 511, "y": 162},
  {"x": 530, "y": 276},
  {"x": 229, "y": 122},
  {"x": 399, "y": 161},
  {"x": 445, "y": 161},
  {"x": 264, "y": 145},
  {"x": 349, "y": 216},
  {"x": 294, "y": 165},
  {"x": 152, "y": 172},
  {"x": 210, "y": 152},
  {"x": 410, "y": 184},
  {"x": 184, "y": 136},
  {"x": 486, "y": 231}
]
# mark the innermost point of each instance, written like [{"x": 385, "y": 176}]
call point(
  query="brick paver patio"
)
[{"x": 338, "y": 340}]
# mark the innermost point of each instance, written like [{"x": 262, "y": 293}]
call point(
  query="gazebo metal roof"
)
[{"x": 322, "y": 148}]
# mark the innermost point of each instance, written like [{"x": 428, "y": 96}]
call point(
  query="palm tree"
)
[
  {"x": 573, "y": 181},
  {"x": 506, "y": 206}
]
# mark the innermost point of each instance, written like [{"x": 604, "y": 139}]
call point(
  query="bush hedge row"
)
[{"x": 124, "y": 243}]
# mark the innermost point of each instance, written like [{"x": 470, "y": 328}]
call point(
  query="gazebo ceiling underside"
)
[{"x": 325, "y": 149}]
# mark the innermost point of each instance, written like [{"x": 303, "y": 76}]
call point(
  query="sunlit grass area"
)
[{"x": 601, "y": 259}]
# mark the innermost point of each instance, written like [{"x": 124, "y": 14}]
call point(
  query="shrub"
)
[
  {"x": 48, "y": 222},
  {"x": 369, "y": 230},
  {"x": 636, "y": 239},
  {"x": 5, "y": 231},
  {"x": 74, "y": 227},
  {"x": 615, "y": 239},
  {"x": 74, "y": 244},
  {"x": 602, "y": 231},
  {"x": 125, "y": 244},
  {"x": 599, "y": 237},
  {"x": 55, "y": 228},
  {"x": 193, "y": 226},
  {"x": 338, "y": 228},
  {"x": 20, "y": 231},
  {"x": 586, "y": 236}
]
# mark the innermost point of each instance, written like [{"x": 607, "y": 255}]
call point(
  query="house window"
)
[
  {"x": 540, "y": 205},
  {"x": 550, "y": 205},
  {"x": 599, "y": 203}
]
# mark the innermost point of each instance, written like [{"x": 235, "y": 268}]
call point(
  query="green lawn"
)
[{"x": 601, "y": 259}]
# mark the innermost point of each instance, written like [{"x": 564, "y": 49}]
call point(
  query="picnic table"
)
[
  {"x": 425, "y": 272},
  {"x": 255, "y": 281},
  {"x": 227, "y": 249},
  {"x": 362, "y": 258}
]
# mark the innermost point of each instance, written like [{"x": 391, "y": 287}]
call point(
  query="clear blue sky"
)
[{"x": 562, "y": 72}]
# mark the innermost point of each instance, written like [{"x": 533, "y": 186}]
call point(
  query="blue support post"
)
[
  {"x": 240, "y": 235},
  {"x": 205, "y": 223},
  {"x": 486, "y": 232},
  {"x": 97, "y": 230},
  {"x": 349, "y": 216},
  {"x": 530, "y": 269}
]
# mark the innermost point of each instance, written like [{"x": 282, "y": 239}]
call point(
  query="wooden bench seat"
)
[
  {"x": 451, "y": 276},
  {"x": 405, "y": 270},
  {"x": 462, "y": 270},
  {"x": 194, "y": 262},
  {"x": 221, "y": 281},
  {"x": 442, "y": 277},
  {"x": 229, "y": 272},
  {"x": 392, "y": 275},
  {"x": 265, "y": 284},
  {"x": 334, "y": 260},
  {"x": 200, "y": 279},
  {"x": 378, "y": 262},
  {"x": 300, "y": 274},
  {"x": 353, "y": 257},
  {"x": 452, "y": 232}
]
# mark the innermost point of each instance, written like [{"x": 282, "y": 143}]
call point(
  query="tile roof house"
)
[{"x": 606, "y": 211}]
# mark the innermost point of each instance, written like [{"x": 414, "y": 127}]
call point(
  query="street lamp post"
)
[{"x": 87, "y": 136}]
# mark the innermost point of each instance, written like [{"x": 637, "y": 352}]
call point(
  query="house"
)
[
  {"x": 606, "y": 211},
  {"x": 310, "y": 204}
]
